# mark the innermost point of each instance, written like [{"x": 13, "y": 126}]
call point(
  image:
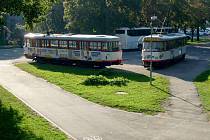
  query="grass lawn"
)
[
  {"x": 18, "y": 122},
  {"x": 202, "y": 83},
  {"x": 203, "y": 40},
  {"x": 140, "y": 97}
]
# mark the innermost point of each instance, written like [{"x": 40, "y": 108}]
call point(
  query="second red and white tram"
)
[
  {"x": 101, "y": 50},
  {"x": 163, "y": 49}
]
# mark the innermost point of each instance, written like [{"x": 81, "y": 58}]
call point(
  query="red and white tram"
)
[
  {"x": 100, "y": 50},
  {"x": 163, "y": 49}
]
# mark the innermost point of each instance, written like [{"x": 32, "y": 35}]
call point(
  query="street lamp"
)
[{"x": 153, "y": 18}]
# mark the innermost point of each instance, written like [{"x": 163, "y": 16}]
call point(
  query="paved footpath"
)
[{"x": 82, "y": 119}]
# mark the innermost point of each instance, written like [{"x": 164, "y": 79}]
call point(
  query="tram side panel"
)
[
  {"x": 91, "y": 56},
  {"x": 161, "y": 58}
]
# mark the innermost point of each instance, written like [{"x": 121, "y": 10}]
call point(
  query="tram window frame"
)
[
  {"x": 93, "y": 46},
  {"x": 110, "y": 46},
  {"x": 63, "y": 44},
  {"x": 84, "y": 45},
  {"x": 53, "y": 44},
  {"x": 72, "y": 44},
  {"x": 100, "y": 45},
  {"x": 116, "y": 46},
  {"x": 37, "y": 43},
  {"x": 104, "y": 46},
  {"x": 147, "y": 46},
  {"x": 30, "y": 42}
]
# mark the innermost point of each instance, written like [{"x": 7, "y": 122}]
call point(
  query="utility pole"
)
[{"x": 153, "y": 18}]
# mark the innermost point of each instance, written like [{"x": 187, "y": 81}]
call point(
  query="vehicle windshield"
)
[{"x": 156, "y": 46}]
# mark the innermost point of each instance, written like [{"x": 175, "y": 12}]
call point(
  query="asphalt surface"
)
[
  {"x": 184, "y": 102},
  {"x": 85, "y": 120}
]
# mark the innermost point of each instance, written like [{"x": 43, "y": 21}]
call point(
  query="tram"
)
[
  {"x": 161, "y": 49},
  {"x": 99, "y": 50}
]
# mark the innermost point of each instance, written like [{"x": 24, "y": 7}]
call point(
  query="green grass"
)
[
  {"x": 203, "y": 40},
  {"x": 18, "y": 122},
  {"x": 202, "y": 83},
  {"x": 141, "y": 96}
]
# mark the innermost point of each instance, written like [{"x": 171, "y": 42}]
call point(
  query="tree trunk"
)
[
  {"x": 192, "y": 34},
  {"x": 185, "y": 30},
  {"x": 198, "y": 35}
]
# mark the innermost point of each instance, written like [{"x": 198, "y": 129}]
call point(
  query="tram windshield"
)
[{"x": 156, "y": 46}]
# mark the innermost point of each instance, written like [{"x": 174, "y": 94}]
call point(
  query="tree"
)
[
  {"x": 101, "y": 16},
  {"x": 31, "y": 10},
  {"x": 198, "y": 14},
  {"x": 53, "y": 22}
]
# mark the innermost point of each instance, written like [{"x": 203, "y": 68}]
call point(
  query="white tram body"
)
[
  {"x": 165, "y": 48},
  {"x": 95, "y": 49}
]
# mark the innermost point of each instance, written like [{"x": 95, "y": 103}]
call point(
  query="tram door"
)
[{"x": 84, "y": 50}]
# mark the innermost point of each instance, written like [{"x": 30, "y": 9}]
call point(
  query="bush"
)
[
  {"x": 96, "y": 80},
  {"x": 119, "y": 81}
]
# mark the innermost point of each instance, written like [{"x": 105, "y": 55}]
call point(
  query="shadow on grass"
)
[
  {"x": 107, "y": 72},
  {"x": 158, "y": 88},
  {"x": 9, "y": 128},
  {"x": 203, "y": 77}
]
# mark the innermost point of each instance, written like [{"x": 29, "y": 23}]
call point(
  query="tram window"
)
[
  {"x": 91, "y": 46},
  {"x": 95, "y": 45},
  {"x": 54, "y": 43},
  {"x": 156, "y": 46},
  {"x": 29, "y": 43},
  {"x": 115, "y": 46},
  {"x": 104, "y": 46},
  {"x": 46, "y": 43},
  {"x": 63, "y": 44},
  {"x": 37, "y": 43},
  {"x": 99, "y": 46},
  {"x": 84, "y": 44},
  {"x": 72, "y": 44}
]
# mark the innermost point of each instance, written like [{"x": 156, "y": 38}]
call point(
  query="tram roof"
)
[
  {"x": 164, "y": 37},
  {"x": 72, "y": 37}
]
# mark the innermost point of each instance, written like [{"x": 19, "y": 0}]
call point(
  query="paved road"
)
[
  {"x": 184, "y": 103},
  {"x": 82, "y": 119}
]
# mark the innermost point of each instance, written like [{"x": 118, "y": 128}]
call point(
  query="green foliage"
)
[
  {"x": 100, "y": 16},
  {"x": 53, "y": 21},
  {"x": 119, "y": 81},
  {"x": 202, "y": 83},
  {"x": 98, "y": 80},
  {"x": 140, "y": 97},
  {"x": 18, "y": 122},
  {"x": 94, "y": 80},
  {"x": 32, "y": 10},
  {"x": 103, "y": 16}
]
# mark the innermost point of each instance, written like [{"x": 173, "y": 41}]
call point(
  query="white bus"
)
[
  {"x": 132, "y": 38},
  {"x": 165, "y": 49},
  {"x": 99, "y": 50}
]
